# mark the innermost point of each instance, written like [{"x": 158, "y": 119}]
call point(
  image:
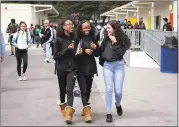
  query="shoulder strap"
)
[
  {"x": 27, "y": 37},
  {"x": 17, "y": 36}
]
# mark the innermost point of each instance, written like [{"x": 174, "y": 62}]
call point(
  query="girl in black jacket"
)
[
  {"x": 64, "y": 55},
  {"x": 113, "y": 49},
  {"x": 86, "y": 64}
]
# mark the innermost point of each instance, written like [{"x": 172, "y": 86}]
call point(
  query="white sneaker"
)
[
  {"x": 47, "y": 60},
  {"x": 24, "y": 77},
  {"x": 20, "y": 78}
]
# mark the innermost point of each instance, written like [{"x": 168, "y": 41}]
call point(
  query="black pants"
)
[
  {"x": 85, "y": 84},
  {"x": 21, "y": 55},
  {"x": 51, "y": 45},
  {"x": 66, "y": 81}
]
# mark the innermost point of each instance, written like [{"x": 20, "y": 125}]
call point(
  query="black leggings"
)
[
  {"x": 66, "y": 81},
  {"x": 85, "y": 84},
  {"x": 21, "y": 55}
]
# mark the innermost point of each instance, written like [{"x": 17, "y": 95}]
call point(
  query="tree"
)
[{"x": 86, "y": 8}]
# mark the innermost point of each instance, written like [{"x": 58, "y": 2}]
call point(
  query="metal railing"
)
[{"x": 149, "y": 41}]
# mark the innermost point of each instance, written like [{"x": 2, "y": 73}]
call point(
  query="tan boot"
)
[
  {"x": 62, "y": 109},
  {"x": 87, "y": 114},
  {"x": 69, "y": 114}
]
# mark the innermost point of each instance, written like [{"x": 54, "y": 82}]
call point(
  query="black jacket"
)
[
  {"x": 167, "y": 27},
  {"x": 46, "y": 35},
  {"x": 64, "y": 57},
  {"x": 86, "y": 64},
  {"x": 114, "y": 52}
]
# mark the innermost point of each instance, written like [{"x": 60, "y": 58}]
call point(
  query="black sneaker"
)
[
  {"x": 77, "y": 93},
  {"x": 108, "y": 118},
  {"x": 119, "y": 110}
]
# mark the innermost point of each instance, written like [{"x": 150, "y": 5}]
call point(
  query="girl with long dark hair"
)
[
  {"x": 113, "y": 48},
  {"x": 86, "y": 64},
  {"x": 21, "y": 41}
]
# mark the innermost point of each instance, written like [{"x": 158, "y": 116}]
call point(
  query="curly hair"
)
[
  {"x": 121, "y": 37},
  {"x": 79, "y": 34},
  {"x": 60, "y": 30}
]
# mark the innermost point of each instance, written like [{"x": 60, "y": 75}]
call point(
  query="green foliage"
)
[{"x": 85, "y": 8}]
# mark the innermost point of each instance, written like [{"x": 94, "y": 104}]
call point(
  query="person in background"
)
[
  {"x": 75, "y": 18},
  {"x": 125, "y": 25},
  {"x": 54, "y": 36},
  {"x": 31, "y": 29},
  {"x": 141, "y": 25},
  {"x": 2, "y": 46},
  {"x": 46, "y": 35},
  {"x": 167, "y": 25},
  {"x": 12, "y": 29},
  {"x": 113, "y": 48},
  {"x": 22, "y": 41},
  {"x": 36, "y": 35}
]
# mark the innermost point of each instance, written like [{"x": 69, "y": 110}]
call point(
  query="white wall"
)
[{"x": 20, "y": 12}]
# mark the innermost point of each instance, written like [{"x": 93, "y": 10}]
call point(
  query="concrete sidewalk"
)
[
  {"x": 34, "y": 102},
  {"x": 149, "y": 98}
]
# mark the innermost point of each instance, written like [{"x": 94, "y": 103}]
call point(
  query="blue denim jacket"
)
[{"x": 2, "y": 45}]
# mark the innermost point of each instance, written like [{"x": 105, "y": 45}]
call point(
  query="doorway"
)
[{"x": 158, "y": 22}]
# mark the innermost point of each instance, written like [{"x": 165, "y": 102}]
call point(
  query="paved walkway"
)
[{"x": 150, "y": 98}]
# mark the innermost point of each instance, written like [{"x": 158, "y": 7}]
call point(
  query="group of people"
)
[{"x": 75, "y": 47}]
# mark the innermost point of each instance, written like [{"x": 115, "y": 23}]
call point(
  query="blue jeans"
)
[
  {"x": 46, "y": 47},
  {"x": 113, "y": 73}
]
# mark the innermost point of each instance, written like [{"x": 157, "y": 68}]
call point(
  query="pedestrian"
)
[
  {"x": 31, "y": 29},
  {"x": 11, "y": 29},
  {"x": 86, "y": 64},
  {"x": 22, "y": 41},
  {"x": 75, "y": 18},
  {"x": 54, "y": 36},
  {"x": 36, "y": 32},
  {"x": 64, "y": 55},
  {"x": 113, "y": 48},
  {"x": 46, "y": 35},
  {"x": 2, "y": 47}
]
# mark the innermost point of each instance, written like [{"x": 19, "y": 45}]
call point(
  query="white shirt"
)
[{"x": 22, "y": 40}]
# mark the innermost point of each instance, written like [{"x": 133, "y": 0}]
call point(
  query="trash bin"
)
[{"x": 169, "y": 55}]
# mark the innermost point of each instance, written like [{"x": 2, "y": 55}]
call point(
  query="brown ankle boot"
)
[
  {"x": 69, "y": 114},
  {"x": 87, "y": 114},
  {"x": 62, "y": 108}
]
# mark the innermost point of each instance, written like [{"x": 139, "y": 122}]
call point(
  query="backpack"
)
[
  {"x": 12, "y": 28},
  {"x": 18, "y": 37},
  {"x": 36, "y": 31}
]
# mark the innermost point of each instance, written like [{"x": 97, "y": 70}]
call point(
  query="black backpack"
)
[{"x": 12, "y": 28}]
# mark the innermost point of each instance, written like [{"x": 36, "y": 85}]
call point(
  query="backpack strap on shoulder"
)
[{"x": 17, "y": 36}]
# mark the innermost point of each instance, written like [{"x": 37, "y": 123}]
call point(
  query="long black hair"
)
[
  {"x": 19, "y": 27},
  {"x": 60, "y": 30},
  {"x": 121, "y": 37},
  {"x": 79, "y": 32}
]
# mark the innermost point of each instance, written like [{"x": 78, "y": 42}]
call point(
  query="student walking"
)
[
  {"x": 46, "y": 35},
  {"x": 75, "y": 18},
  {"x": 86, "y": 64},
  {"x": 113, "y": 48},
  {"x": 21, "y": 41},
  {"x": 64, "y": 55}
]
